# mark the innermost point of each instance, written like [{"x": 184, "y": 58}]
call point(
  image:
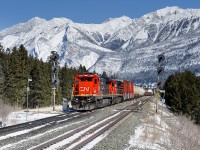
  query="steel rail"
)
[
  {"x": 35, "y": 123},
  {"x": 111, "y": 122},
  {"x": 106, "y": 128}
]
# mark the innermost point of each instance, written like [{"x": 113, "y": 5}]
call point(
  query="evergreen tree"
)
[
  {"x": 104, "y": 75},
  {"x": 46, "y": 82},
  {"x": 23, "y": 73},
  {"x": 15, "y": 84},
  {"x": 80, "y": 69},
  {"x": 36, "y": 86},
  {"x": 63, "y": 81},
  {"x": 1, "y": 48},
  {"x": 183, "y": 94},
  {"x": 40, "y": 92},
  {"x": 2, "y": 76},
  {"x": 17, "y": 67},
  {"x": 84, "y": 69}
]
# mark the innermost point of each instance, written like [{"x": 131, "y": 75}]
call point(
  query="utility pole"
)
[
  {"x": 160, "y": 70},
  {"x": 54, "y": 58},
  {"x": 163, "y": 101},
  {"x": 28, "y": 89}
]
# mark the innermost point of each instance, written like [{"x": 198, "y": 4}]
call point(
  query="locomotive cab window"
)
[
  {"x": 83, "y": 79},
  {"x": 89, "y": 79}
]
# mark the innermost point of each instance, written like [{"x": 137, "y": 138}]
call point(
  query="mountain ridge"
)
[{"x": 124, "y": 47}]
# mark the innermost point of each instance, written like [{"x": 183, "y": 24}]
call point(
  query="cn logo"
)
[{"x": 82, "y": 89}]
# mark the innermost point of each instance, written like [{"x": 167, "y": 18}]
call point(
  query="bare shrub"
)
[
  {"x": 156, "y": 135},
  {"x": 5, "y": 110},
  {"x": 151, "y": 133},
  {"x": 184, "y": 135},
  {"x": 145, "y": 134},
  {"x": 151, "y": 121}
]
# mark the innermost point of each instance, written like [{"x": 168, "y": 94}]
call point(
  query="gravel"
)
[{"x": 117, "y": 139}]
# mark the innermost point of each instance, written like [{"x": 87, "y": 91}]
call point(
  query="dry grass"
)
[
  {"x": 151, "y": 133},
  {"x": 184, "y": 135},
  {"x": 145, "y": 134},
  {"x": 5, "y": 110},
  {"x": 156, "y": 134},
  {"x": 180, "y": 134}
]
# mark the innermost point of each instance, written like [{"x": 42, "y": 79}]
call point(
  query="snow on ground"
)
[
  {"x": 152, "y": 133},
  {"x": 35, "y": 137},
  {"x": 21, "y": 116},
  {"x": 75, "y": 136},
  {"x": 95, "y": 141},
  {"x": 19, "y": 133}
]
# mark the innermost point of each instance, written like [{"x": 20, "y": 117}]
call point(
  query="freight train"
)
[{"x": 91, "y": 91}]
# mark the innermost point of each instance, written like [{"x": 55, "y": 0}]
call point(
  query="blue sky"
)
[{"x": 83, "y": 11}]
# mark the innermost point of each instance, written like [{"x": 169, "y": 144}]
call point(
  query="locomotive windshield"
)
[{"x": 89, "y": 79}]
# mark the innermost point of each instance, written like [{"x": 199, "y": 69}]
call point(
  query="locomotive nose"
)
[{"x": 84, "y": 88}]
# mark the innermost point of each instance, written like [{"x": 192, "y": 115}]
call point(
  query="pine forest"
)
[{"x": 16, "y": 67}]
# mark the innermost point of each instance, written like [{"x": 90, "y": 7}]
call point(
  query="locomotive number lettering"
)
[{"x": 85, "y": 89}]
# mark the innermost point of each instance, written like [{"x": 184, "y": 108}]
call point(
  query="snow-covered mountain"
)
[{"x": 122, "y": 46}]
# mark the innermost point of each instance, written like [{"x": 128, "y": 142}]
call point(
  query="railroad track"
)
[
  {"x": 81, "y": 136},
  {"x": 32, "y": 124}
]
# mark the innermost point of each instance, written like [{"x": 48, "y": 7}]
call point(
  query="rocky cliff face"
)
[{"x": 122, "y": 46}]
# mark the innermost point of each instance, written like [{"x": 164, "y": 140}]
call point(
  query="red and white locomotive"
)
[{"x": 91, "y": 91}]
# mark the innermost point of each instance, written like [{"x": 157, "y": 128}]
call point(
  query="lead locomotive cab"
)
[{"x": 86, "y": 91}]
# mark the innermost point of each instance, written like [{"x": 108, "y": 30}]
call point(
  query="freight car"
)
[
  {"x": 91, "y": 91},
  {"x": 148, "y": 92},
  {"x": 138, "y": 91}
]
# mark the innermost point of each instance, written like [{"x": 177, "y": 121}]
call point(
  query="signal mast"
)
[
  {"x": 55, "y": 68},
  {"x": 160, "y": 70}
]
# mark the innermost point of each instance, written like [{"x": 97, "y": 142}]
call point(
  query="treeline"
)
[
  {"x": 183, "y": 94},
  {"x": 16, "y": 67}
]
